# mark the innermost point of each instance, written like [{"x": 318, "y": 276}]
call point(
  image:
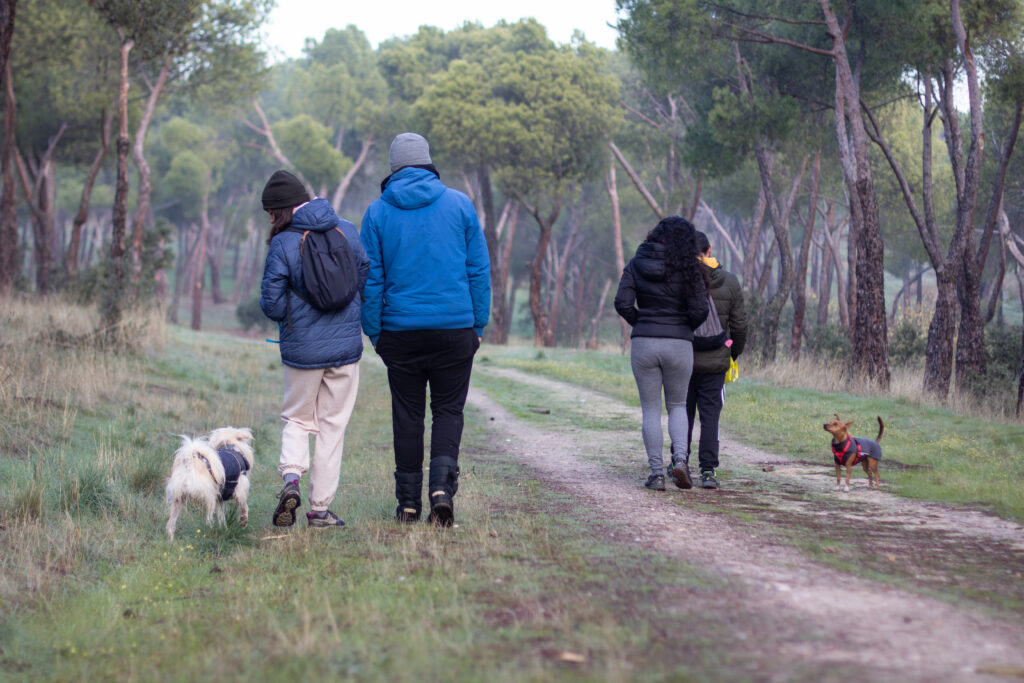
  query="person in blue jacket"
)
[
  {"x": 427, "y": 301},
  {"x": 320, "y": 351}
]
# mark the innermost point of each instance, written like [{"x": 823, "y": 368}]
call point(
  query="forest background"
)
[{"x": 853, "y": 163}]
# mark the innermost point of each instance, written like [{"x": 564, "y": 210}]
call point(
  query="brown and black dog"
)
[{"x": 850, "y": 450}]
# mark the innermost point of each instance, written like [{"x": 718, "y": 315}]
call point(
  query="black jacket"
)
[
  {"x": 656, "y": 304},
  {"x": 728, "y": 295}
]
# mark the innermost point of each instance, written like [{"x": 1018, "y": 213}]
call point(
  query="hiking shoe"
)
[
  {"x": 442, "y": 509},
  {"x": 681, "y": 474},
  {"x": 408, "y": 515},
  {"x": 707, "y": 479},
  {"x": 290, "y": 499},
  {"x": 315, "y": 521},
  {"x": 655, "y": 482}
]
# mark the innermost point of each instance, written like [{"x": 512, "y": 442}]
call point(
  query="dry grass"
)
[{"x": 905, "y": 383}]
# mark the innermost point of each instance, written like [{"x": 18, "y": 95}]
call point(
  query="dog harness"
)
[
  {"x": 858, "y": 448},
  {"x": 234, "y": 467},
  {"x": 842, "y": 454}
]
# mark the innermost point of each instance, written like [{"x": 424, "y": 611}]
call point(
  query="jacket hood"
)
[
  {"x": 413, "y": 188},
  {"x": 318, "y": 216},
  {"x": 716, "y": 275},
  {"x": 650, "y": 261}
]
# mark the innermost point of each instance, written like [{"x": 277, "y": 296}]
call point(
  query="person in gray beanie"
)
[{"x": 427, "y": 300}]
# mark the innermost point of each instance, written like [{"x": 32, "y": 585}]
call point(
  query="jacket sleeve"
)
[
  {"x": 373, "y": 291},
  {"x": 625, "y": 296},
  {"x": 274, "y": 287},
  {"x": 737, "y": 319},
  {"x": 478, "y": 270},
  {"x": 359, "y": 251}
]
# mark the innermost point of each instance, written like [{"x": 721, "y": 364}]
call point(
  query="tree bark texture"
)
[
  {"x": 870, "y": 357},
  {"x": 113, "y": 299},
  {"x": 71, "y": 261},
  {"x": 143, "y": 205},
  {"x": 10, "y": 263}
]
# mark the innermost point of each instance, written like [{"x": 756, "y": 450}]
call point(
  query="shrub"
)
[
  {"x": 1003, "y": 351},
  {"x": 907, "y": 344},
  {"x": 829, "y": 342},
  {"x": 250, "y": 314}
]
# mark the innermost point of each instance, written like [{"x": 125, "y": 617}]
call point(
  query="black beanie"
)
[{"x": 284, "y": 190}]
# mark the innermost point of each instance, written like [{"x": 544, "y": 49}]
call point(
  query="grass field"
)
[{"x": 522, "y": 589}]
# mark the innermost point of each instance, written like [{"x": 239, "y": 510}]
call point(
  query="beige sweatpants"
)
[{"x": 317, "y": 402}]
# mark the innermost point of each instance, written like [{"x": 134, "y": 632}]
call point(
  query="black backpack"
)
[
  {"x": 330, "y": 271},
  {"x": 710, "y": 335}
]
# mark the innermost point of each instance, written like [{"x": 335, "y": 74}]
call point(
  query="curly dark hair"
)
[{"x": 680, "y": 240}]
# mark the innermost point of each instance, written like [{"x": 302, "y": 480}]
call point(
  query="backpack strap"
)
[{"x": 287, "y": 301}]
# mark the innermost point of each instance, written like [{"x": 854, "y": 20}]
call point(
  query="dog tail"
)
[{"x": 881, "y": 428}]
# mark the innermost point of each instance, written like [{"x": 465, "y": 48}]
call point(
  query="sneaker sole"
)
[
  {"x": 327, "y": 526},
  {"x": 284, "y": 515},
  {"x": 682, "y": 478}
]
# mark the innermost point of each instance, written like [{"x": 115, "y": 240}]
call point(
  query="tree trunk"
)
[
  {"x": 113, "y": 300},
  {"x": 870, "y": 357},
  {"x": 595, "y": 322},
  {"x": 142, "y": 166},
  {"x": 772, "y": 309},
  {"x": 620, "y": 258},
  {"x": 543, "y": 333},
  {"x": 825, "y": 285},
  {"x": 342, "y": 189},
  {"x": 499, "y": 279},
  {"x": 971, "y": 363},
  {"x": 800, "y": 280},
  {"x": 200, "y": 262},
  {"x": 938, "y": 364},
  {"x": 74, "y": 246},
  {"x": 10, "y": 264}
]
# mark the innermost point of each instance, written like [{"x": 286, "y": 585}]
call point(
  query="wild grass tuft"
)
[{"x": 88, "y": 489}]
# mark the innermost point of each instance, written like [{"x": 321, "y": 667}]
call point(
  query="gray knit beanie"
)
[{"x": 409, "y": 149}]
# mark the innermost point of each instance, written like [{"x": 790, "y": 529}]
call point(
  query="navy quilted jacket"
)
[{"x": 310, "y": 338}]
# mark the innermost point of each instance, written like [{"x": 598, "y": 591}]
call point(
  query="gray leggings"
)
[{"x": 662, "y": 362}]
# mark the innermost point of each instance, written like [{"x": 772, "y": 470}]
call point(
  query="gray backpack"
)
[{"x": 710, "y": 335}]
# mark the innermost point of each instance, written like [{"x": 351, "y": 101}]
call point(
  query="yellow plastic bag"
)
[{"x": 733, "y": 373}]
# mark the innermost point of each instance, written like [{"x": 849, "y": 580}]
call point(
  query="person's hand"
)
[{"x": 480, "y": 340}]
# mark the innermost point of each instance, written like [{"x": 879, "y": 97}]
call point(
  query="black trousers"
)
[
  {"x": 705, "y": 396},
  {"x": 416, "y": 359}
]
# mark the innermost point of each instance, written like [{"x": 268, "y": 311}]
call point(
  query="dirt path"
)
[{"x": 789, "y": 603}]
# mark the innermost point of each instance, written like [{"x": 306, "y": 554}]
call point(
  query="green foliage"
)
[
  {"x": 907, "y": 344},
  {"x": 1003, "y": 348},
  {"x": 306, "y": 143},
  {"x": 250, "y": 315},
  {"x": 829, "y": 342}
]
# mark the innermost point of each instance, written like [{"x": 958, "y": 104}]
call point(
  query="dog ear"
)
[{"x": 849, "y": 424}]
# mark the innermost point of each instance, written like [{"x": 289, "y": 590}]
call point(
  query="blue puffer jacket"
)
[
  {"x": 429, "y": 268},
  {"x": 309, "y": 338}
]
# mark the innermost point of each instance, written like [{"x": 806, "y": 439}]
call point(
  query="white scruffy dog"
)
[{"x": 211, "y": 470}]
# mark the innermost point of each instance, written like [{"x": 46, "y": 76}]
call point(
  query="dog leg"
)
[
  {"x": 220, "y": 514},
  {"x": 838, "y": 478},
  {"x": 172, "y": 522},
  {"x": 242, "y": 496},
  {"x": 849, "y": 471}
]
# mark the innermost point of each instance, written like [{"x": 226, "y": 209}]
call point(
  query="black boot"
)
[
  {"x": 409, "y": 492},
  {"x": 444, "y": 482}
]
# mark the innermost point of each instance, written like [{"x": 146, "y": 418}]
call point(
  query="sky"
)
[{"x": 295, "y": 20}]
